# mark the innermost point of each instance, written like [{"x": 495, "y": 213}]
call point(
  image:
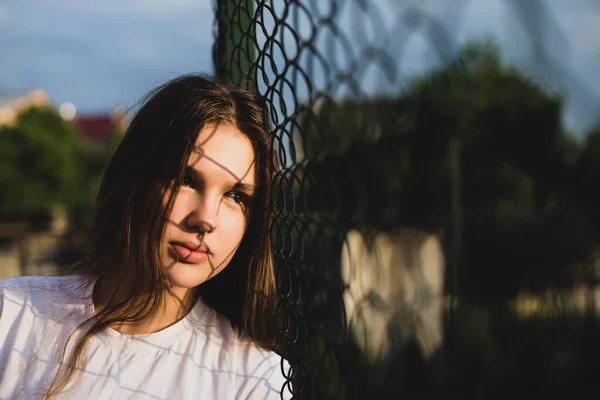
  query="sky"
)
[
  {"x": 102, "y": 54},
  {"x": 106, "y": 54}
]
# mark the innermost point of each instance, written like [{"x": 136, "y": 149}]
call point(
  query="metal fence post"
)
[{"x": 235, "y": 51}]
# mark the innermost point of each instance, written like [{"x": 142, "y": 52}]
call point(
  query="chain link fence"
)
[
  {"x": 436, "y": 230},
  {"x": 420, "y": 219}
]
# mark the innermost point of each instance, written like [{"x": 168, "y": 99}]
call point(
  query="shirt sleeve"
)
[
  {"x": 1, "y": 299},
  {"x": 267, "y": 378}
]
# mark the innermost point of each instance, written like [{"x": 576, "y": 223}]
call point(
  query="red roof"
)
[{"x": 97, "y": 127}]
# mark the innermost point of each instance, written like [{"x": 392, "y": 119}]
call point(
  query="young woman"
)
[{"x": 175, "y": 297}]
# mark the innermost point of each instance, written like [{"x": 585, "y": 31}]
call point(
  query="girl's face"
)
[{"x": 209, "y": 215}]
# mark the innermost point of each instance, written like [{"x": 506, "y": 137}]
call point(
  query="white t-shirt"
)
[{"x": 199, "y": 357}]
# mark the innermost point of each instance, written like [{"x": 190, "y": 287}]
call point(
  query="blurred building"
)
[
  {"x": 99, "y": 127},
  {"x": 94, "y": 127},
  {"x": 14, "y": 103}
]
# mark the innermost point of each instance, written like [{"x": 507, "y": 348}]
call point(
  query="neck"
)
[{"x": 174, "y": 305}]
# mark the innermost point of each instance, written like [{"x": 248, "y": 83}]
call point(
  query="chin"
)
[{"x": 188, "y": 276}]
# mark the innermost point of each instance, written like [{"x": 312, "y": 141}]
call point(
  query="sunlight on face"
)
[{"x": 209, "y": 215}]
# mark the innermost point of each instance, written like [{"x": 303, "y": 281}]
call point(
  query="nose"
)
[{"x": 203, "y": 214}]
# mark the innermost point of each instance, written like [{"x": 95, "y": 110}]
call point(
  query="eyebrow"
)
[{"x": 245, "y": 187}]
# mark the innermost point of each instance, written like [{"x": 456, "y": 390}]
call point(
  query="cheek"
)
[
  {"x": 176, "y": 217},
  {"x": 233, "y": 224},
  {"x": 180, "y": 208}
]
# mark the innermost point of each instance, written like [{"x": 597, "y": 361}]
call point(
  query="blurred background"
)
[
  {"x": 436, "y": 228},
  {"x": 71, "y": 73}
]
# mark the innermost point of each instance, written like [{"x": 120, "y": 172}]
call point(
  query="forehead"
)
[{"x": 222, "y": 149}]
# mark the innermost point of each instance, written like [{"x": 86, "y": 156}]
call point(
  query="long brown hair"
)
[{"x": 147, "y": 167}]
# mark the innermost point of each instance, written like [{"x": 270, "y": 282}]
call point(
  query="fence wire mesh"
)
[{"x": 424, "y": 224}]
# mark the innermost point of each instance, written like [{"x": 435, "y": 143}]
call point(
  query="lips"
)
[{"x": 190, "y": 253}]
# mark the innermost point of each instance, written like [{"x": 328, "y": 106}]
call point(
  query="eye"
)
[
  {"x": 240, "y": 198},
  {"x": 188, "y": 178}
]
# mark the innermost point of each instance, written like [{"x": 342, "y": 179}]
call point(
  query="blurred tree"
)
[
  {"x": 385, "y": 163},
  {"x": 509, "y": 131},
  {"x": 586, "y": 178},
  {"x": 515, "y": 164},
  {"x": 43, "y": 163},
  {"x": 38, "y": 167}
]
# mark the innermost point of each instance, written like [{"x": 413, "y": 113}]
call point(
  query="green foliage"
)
[
  {"x": 497, "y": 356},
  {"x": 509, "y": 129},
  {"x": 43, "y": 163},
  {"x": 527, "y": 189},
  {"x": 586, "y": 179},
  {"x": 38, "y": 164},
  {"x": 529, "y": 221}
]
